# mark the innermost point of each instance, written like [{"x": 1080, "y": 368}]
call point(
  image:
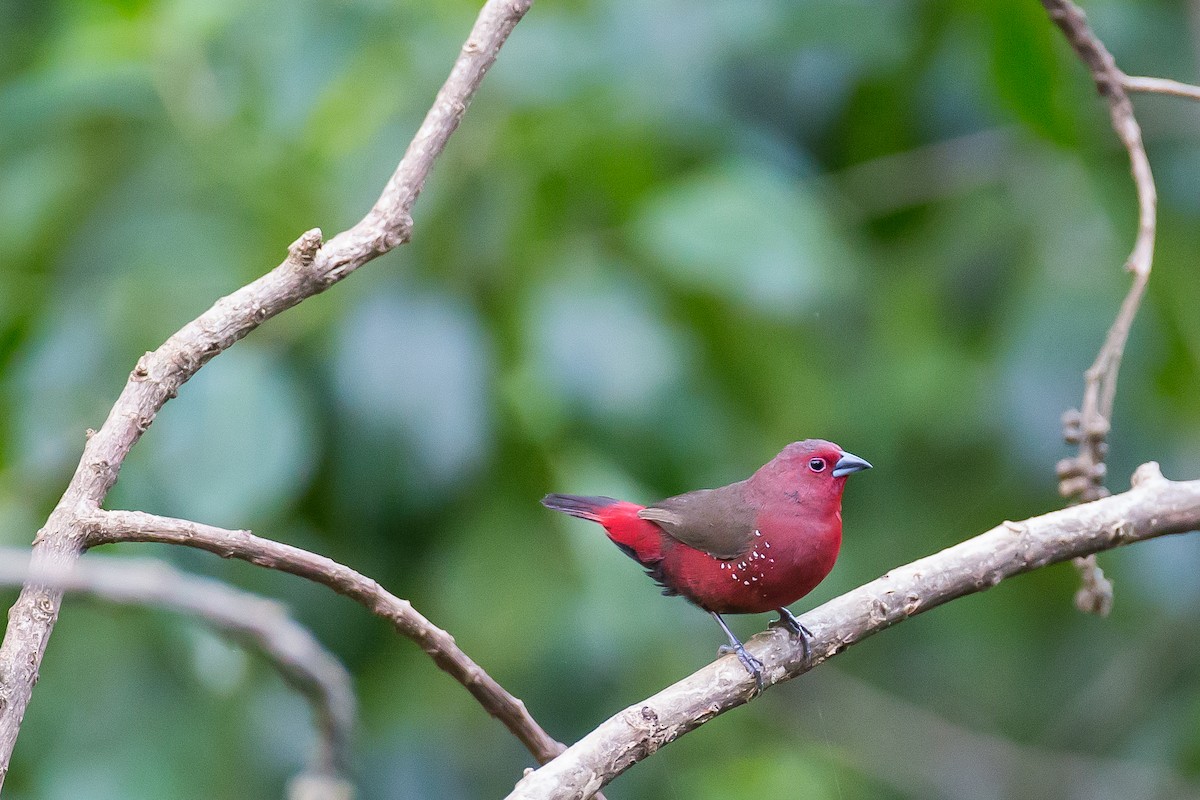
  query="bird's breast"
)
[{"x": 786, "y": 560}]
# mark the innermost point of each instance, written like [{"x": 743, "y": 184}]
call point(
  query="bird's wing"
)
[{"x": 718, "y": 521}]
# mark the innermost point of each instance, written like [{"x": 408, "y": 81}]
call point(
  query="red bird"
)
[{"x": 752, "y": 546}]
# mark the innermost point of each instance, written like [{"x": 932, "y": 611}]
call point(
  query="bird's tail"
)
[
  {"x": 579, "y": 506},
  {"x": 639, "y": 538}
]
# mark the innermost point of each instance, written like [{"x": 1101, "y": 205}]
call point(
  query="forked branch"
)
[
  {"x": 1160, "y": 86},
  {"x": 310, "y": 267},
  {"x": 109, "y": 527}
]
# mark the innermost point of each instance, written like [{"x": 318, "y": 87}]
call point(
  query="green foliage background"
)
[{"x": 669, "y": 238}]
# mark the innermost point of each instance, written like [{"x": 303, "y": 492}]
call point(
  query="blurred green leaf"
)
[
  {"x": 1025, "y": 53},
  {"x": 746, "y": 236},
  {"x": 235, "y": 446}
]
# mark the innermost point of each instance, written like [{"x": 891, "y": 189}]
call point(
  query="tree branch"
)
[
  {"x": 1081, "y": 477},
  {"x": 255, "y": 621},
  {"x": 1160, "y": 86},
  {"x": 1153, "y": 507},
  {"x": 108, "y": 527},
  {"x": 309, "y": 268}
]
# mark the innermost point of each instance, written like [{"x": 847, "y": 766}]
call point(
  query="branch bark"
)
[
  {"x": 257, "y": 622},
  {"x": 108, "y": 527},
  {"x": 1153, "y": 507},
  {"x": 311, "y": 267}
]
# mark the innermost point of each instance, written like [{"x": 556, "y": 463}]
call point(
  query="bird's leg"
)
[
  {"x": 752, "y": 664},
  {"x": 787, "y": 620}
]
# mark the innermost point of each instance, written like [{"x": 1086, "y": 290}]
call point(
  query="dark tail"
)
[{"x": 577, "y": 506}]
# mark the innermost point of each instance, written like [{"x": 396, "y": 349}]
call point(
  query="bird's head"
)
[{"x": 811, "y": 466}]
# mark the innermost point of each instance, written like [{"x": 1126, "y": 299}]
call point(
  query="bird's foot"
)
[
  {"x": 752, "y": 664},
  {"x": 789, "y": 622}
]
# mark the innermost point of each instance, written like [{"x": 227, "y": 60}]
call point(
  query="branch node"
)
[
  {"x": 1097, "y": 428},
  {"x": 399, "y": 233},
  {"x": 1147, "y": 473},
  {"x": 141, "y": 370},
  {"x": 912, "y": 604},
  {"x": 1072, "y": 423},
  {"x": 302, "y": 251},
  {"x": 1069, "y": 467},
  {"x": 1095, "y": 595},
  {"x": 1077, "y": 486}
]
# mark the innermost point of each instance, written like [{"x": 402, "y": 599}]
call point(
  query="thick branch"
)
[
  {"x": 1153, "y": 507},
  {"x": 107, "y": 527},
  {"x": 309, "y": 268},
  {"x": 260, "y": 623}
]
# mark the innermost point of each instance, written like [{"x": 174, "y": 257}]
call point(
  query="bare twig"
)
[
  {"x": 107, "y": 527},
  {"x": 260, "y": 623},
  {"x": 1153, "y": 507},
  {"x": 1160, "y": 86},
  {"x": 309, "y": 268},
  {"x": 1081, "y": 477}
]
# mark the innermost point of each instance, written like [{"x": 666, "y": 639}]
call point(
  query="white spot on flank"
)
[
  {"x": 758, "y": 533},
  {"x": 747, "y": 583},
  {"x": 768, "y": 544}
]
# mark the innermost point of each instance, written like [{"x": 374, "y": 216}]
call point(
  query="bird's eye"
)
[{"x": 817, "y": 465}]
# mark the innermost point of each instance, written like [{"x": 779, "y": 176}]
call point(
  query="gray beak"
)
[{"x": 849, "y": 463}]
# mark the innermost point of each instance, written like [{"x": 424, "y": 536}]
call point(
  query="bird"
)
[{"x": 753, "y": 546}]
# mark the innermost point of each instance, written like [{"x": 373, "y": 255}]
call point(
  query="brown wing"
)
[{"x": 718, "y": 521}]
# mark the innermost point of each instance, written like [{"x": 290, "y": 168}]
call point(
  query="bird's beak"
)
[{"x": 849, "y": 463}]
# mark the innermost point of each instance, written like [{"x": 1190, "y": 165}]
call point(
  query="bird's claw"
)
[
  {"x": 789, "y": 622},
  {"x": 752, "y": 664}
]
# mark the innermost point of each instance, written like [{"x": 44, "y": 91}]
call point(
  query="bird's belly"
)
[{"x": 773, "y": 573}]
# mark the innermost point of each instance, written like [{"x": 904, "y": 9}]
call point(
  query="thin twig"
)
[
  {"x": 108, "y": 527},
  {"x": 1160, "y": 86},
  {"x": 309, "y": 268},
  {"x": 1081, "y": 477},
  {"x": 253, "y": 620},
  {"x": 1153, "y": 507}
]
